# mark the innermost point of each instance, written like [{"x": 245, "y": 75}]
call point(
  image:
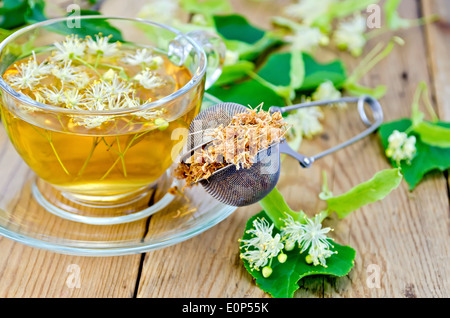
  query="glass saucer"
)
[{"x": 24, "y": 220}]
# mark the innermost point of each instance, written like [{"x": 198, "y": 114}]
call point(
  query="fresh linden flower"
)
[
  {"x": 143, "y": 57},
  {"x": 307, "y": 121},
  {"x": 319, "y": 253},
  {"x": 291, "y": 232},
  {"x": 313, "y": 234},
  {"x": 101, "y": 45},
  {"x": 148, "y": 79},
  {"x": 349, "y": 35},
  {"x": 306, "y": 38},
  {"x": 83, "y": 79},
  {"x": 29, "y": 74},
  {"x": 310, "y": 237},
  {"x": 73, "y": 99},
  {"x": 401, "y": 147},
  {"x": 90, "y": 121},
  {"x": 72, "y": 47},
  {"x": 327, "y": 91},
  {"x": 162, "y": 11},
  {"x": 116, "y": 87},
  {"x": 67, "y": 73},
  {"x": 308, "y": 11},
  {"x": 231, "y": 57},
  {"x": 262, "y": 246},
  {"x": 53, "y": 96},
  {"x": 95, "y": 96}
]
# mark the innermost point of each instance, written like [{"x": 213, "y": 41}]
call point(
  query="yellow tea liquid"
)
[{"x": 117, "y": 157}]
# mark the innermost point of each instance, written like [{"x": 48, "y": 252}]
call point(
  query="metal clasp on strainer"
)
[{"x": 377, "y": 114}]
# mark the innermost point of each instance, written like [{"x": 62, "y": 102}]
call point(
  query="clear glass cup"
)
[{"x": 119, "y": 171}]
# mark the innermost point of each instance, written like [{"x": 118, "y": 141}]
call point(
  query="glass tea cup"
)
[{"x": 106, "y": 166}]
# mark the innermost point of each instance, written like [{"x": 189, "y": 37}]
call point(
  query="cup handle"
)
[{"x": 215, "y": 50}]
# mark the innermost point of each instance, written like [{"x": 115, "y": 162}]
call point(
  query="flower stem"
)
[
  {"x": 95, "y": 142},
  {"x": 48, "y": 137},
  {"x": 87, "y": 65},
  {"x": 121, "y": 155}
]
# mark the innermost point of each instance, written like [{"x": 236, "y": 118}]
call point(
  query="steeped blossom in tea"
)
[{"x": 94, "y": 135}]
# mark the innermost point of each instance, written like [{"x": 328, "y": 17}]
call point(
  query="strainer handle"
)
[{"x": 377, "y": 113}]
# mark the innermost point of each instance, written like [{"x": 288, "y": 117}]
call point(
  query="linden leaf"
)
[
  {"x": 316, "y": 73},
  {"x": 234, "y": 72},
  {"x": 428, "y": 158},
  {"x": 378, "y": 187},
  {"x": 283, "y": 282},
  {"x": 434, "y": 134},
  {"x": 242, "y": 37},
  {"x": 284, "y": 70},
  {"x": 236, "y": 27},
  {"x": 90, "y": 27}
]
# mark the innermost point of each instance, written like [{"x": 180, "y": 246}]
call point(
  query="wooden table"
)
[{"x": 405, "y": 238}]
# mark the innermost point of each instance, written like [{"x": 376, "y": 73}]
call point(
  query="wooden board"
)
[{"x": 401, "y": 240}]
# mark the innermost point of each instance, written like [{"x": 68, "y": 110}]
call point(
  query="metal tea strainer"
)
[{"x": 240, "y": 187}]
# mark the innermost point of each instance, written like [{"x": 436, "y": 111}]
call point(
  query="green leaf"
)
[
  {"x": 316, "y": 73},
  {"x": 283, "y": 281},
  {"x": 88, "y": 27},
  {"x": 284, "y": 70},
  {"x": 276, "y": 208},
  {"x": 248, "y": 93},
  {"x": 434, "y": 134},
  {"x": 427, "y": 159},
  {"x": 232, "y": 73},
  {"x": 35, "y": 11},
  {"x": 242, "y": 37},
  {"x": 236, "y": 27},
  {"x": 12, "y": 13},
  {"x": 381, "y": 184}
]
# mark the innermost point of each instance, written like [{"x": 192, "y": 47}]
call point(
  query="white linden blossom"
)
[
  {"x": 163, "y": 11},
  {"x": 148, "y": 79},
  {"x": 327, "y": 91},
  {"x": 306, "y": 38},
  {"x": 309, "y": 236},
  {"x": 401, "y": 147},
  {"x": 143, "y": 57},
  {"x": 54, "y": 96},
  {"x": 29, "y": 74},
  {"x": 308, "y": 11},
  {"x": 262, "y": 246},
  {"x": 73, "y": 99},
  {"x": 67, "y": 73},
  {"x": 91, "y": 121},
  {"x": 231, "y": 57},
  {"x": 306, "y": 121},
  {"x": 314, "y": 234},
  {"x": 291, "y": 232},
  {"x": 83, "y": 79},
  {"x": 72, "y": 47},
  {"x": 349, "y": 35},
  {"x": 319, "y": 253},
  {"x": 101, "y": 45},
  {"x": 95, "y": 96},
  {"x": 116, "y": 86}
]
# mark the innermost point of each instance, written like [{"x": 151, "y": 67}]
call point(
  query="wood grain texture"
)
[{"x": 403, "y": 238}]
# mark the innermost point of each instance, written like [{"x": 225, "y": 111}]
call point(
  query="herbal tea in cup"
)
[{"x": 93, "y": 116}]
